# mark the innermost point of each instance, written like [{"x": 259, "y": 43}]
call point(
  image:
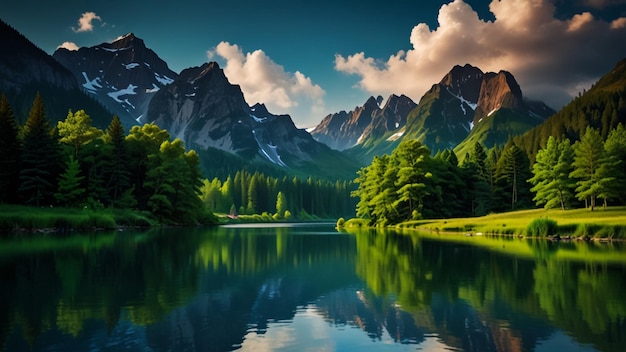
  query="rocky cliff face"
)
[
  {"x": 343, "y": 130},
  {"x": 202, "y": 108},
  {"x": 498, "y": 91},
  {"x": 122, "y": 75}
]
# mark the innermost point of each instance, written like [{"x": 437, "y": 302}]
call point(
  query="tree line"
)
[
  {"x": 286, "y": 197},
  {"x": 75, "y": 164},
  {"x": 410, "y": 184}
]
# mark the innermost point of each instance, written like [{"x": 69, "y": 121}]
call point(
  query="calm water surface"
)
[{"x": 307, "y": 287}]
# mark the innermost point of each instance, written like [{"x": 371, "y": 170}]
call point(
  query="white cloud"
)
[
  {"x": 262, "y": 80},
  {"x": 550, "y": 58},
  {"x": 85, "y": 22},
  {"x": 71, "y": 46}
]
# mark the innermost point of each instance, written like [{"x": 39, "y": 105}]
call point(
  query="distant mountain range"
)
[
  {"x": 465, "y": 107},
  {"x": 344, "y": 130},
  {"x": 202, "y": 108}
]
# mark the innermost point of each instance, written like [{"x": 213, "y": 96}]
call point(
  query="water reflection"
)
[{"x": 285, "y": 288}]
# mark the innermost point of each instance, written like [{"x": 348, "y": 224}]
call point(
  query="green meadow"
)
[
  {"x": 606, "y": 223},
  {"x": 16, "y": 218}
]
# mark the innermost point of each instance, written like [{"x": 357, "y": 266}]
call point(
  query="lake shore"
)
[
  {"x": 601, "y": 224},
  {"x": 20, "y": 219}
]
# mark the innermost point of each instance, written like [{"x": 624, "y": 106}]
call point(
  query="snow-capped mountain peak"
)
[{"x": 123, "y": 75}]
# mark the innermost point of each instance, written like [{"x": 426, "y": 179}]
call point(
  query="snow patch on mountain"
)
[
  {"x": 258, "y": 119},
  {"x": 91, "y": 85},
  {"x": 269, "y": 151},
  {"x": 113, "y": 50},
  {"x": 463, "y": 100},
  {"x": 131, "y": 65},
  {"x": 130, "y": 90},
  {"x": 164, "y": 80},
  {"x": 154, "y": 89}
]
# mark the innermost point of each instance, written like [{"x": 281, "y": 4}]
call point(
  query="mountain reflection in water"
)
[{"x": 308, "y": 287}]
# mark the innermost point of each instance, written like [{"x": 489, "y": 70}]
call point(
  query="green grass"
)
[
  {"x": 601, "y": 223},
  {"x": 23, "y": 218}
]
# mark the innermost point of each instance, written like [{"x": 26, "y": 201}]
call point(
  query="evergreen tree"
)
[
  {"x": 589, "y": 167},
  {"x": 553, "y": 165},
  {"x": 40, "y": 158},
  {"x": 615, "y": 147},
  {"x": 412, "y": 158},
  {"x": 478, "y": 177},
  {"x": 10, "y": 153},
  {"x": 281, "y": 205},
  {"x": 512, "y": 171},
  {"x": 117, "y": 180},
  {"x": 70, "y": 193}
]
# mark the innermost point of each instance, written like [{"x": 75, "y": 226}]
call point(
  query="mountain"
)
[
  {"x": 603, "y": 107},
  {"x": 122, "y": 75},
  {"x": 465, "y": 107},
  {"x": 25, "y": 70},
  {"x": 344, "y": 130},
  {"x": 207, "y": 112}
]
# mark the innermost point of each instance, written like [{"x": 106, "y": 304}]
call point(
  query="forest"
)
[
  {"x": 409, "y": 184},
  {"x": 76, "y": 165}
]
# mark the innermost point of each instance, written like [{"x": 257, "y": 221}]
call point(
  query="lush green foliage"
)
[
  {"x": 256, "y": 193},
  {"x": 551, "y": 180},
  {"x": 542, "y": 227},
  {"x": 99, "y": 171}
]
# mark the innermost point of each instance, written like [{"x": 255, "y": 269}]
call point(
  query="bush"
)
[
  {"x": 542, "y": 227},
  {"x": 341, "y": 222}
]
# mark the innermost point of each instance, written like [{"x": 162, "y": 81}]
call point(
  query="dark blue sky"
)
[{"x": 302, "y": 57}]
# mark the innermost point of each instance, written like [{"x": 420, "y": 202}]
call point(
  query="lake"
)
[{"x": 302, "y": 287}]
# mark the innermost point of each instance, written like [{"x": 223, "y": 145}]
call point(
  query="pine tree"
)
[
  {"x": 281, "y": 205},
  {"x": 70, "y": 192},
  {"x": 118, "y": 176},
  {"x": 40, "y": 158},
  {"x": 10, "y": 153},
  {"x": 512, "y": 171},
  {"x": 588, "y": 167},
  {"x": 553, "y": 165},
  {"x": 615, "y": 147}
]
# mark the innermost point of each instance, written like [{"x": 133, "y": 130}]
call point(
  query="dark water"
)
[{"x": 307, "y": 287}]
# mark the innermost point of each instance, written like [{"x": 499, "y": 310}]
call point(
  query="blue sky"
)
[{"x": 309, "y": 59}]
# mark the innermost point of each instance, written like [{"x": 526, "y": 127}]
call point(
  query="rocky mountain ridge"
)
[
  {"x": 344, "y": 130},
  {"x": 202, "y": 108},
  {"x": 448, "y": 113},
  {"x": 122, "y": 75}
]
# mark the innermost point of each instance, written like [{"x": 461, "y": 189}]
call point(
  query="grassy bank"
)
[
  {"x": 601, "y": 223},
  {"x": 22, "y": 218}
]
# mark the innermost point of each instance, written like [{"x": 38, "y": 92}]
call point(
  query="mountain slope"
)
[
  {"x": 207, "y": 112},
  {"x": 25, "y": 70},
  {"x": 122, "y": 75},
  {"x": 602, "y": 107}
]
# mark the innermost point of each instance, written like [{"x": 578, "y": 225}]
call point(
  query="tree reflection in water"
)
[{"x": 210, "y": 289}]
